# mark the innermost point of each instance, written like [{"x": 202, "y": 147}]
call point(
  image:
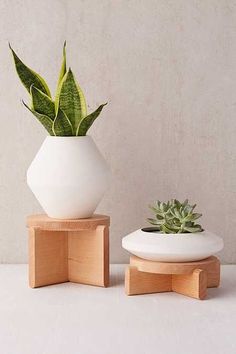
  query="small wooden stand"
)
[
  {"x": 68, "y": 250},
  {"x": 190, "y": 278}
]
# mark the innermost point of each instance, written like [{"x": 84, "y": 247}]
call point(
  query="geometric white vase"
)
[
  {"x": 185, "y": 247},
  {"x": 68, "y": 176}
]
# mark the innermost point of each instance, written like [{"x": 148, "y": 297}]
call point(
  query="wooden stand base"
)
[
  {"x": 190, "y": 279},
  {"x": 68, "y": 250}
]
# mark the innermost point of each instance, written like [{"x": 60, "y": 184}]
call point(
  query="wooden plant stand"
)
[
  {"x": 68, "y": 250},
  {"x": 190, "y": 278}
]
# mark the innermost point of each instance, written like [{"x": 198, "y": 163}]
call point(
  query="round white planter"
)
[
  {"x": 185, "y": 247},
  {"x": 68, "y": 176}
]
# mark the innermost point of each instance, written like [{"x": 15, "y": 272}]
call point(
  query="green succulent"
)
[
  {"x": 66, "y": 114},
  {"x": 175, "y": 217}
]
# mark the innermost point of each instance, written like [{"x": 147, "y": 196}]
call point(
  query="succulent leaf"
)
[
  {"x": 175, "y": 217},
  {"x": 193, "y": 229},
  {"x": 166, "y": 229},
  {"x": 153, "y": 208},
  {"x": 43, "y": 119},
  {"x": 159, "y": 217},
  {"x": 29, "y": 77},
  {"x": 192, "y": 217},
  {"x": 153, "y": 221}
]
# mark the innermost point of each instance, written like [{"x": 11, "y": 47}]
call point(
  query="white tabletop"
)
[{"x": 78, "y": 319}]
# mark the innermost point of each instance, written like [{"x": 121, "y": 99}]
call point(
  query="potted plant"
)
[
  {"x": 68, "y": 176},
  {"x": 175, "y": 236}
]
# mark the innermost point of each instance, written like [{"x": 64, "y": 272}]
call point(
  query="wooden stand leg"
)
[
  {"x": 47, "y": 257},
  {"x": 193, "y": 285},
  {"x": 88, "y": 256},
  {"x": 63, "y": 250},
  {"x": 145, "y": 283},
  {"x": 187, "y": 278},
  {"x": 213, "y": 274}
]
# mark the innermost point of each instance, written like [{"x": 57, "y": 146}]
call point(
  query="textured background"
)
[{"x": 168, "y": 70}]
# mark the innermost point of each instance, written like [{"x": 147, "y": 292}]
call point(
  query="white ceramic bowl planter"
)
[
  {"x": 184, "y": 247},
  {"x": 68, "y": 176}
]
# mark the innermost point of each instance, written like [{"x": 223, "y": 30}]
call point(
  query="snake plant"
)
[
  {"x": 66, "y": 114},
  {"x": 174, "y": 217}
]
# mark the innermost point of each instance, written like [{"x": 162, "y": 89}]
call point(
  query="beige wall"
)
[{"x": 168, "y": 70}]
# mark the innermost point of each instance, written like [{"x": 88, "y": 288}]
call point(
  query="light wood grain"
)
[
  {"x": 44, "y": 222},
  {"x": 137, "y": 283},
  {"x": 193, "y": 285},
  {"x": 87, "y": 261},
  {"x": 47, "y": 257},
  {"x": 144, "y": 265},
  {"x": 80, "y": 255},
  {"x": 213, "y": 273},
  {"x": 190, "y": 279}
]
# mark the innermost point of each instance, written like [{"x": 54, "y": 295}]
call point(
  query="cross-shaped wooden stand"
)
[
  {"x": 68, "y": 250},
  {"x": 190, "y": 278}
]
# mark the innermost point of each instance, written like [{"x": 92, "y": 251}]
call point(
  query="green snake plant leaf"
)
[
  {"x": 63, "y": 67},
  {"x": 62, "y": 125},
  {"x": 70, "y": 100},
  {"x": 88, "y": 121},
  {"x": 29, "y": 77},
  {"x": 41, "y": 103},
  {"x": 43, "y": 119}
]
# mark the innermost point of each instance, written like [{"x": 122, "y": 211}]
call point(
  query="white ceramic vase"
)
[
  {"x": 184, "y": 247},
  {"x": 68, "y": 176}
]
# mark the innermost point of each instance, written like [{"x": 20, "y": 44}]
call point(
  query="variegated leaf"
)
[
  {"x": 43, "y": 119},
  {"x": 63, "y": 66},
  {"x": 62, "y": 125},
  {"x": 29, "y": 77},
  {"x": 71, "y": 100},
  {"x": 41, "y": 103},
  {"x": 88, "y": 121}
]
